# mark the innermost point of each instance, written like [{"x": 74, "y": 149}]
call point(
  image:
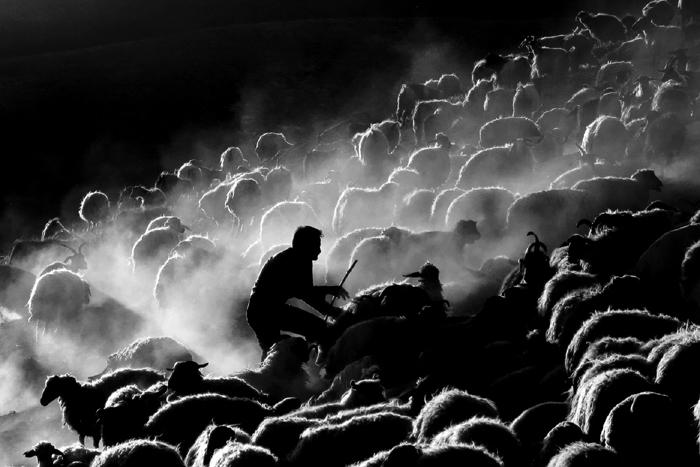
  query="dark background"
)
[{"x": 95, "y": 94}]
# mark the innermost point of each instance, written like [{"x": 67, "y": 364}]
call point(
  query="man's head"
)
[{"x": 307, "y": 241}]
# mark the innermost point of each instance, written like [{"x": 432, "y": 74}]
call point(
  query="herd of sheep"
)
[{"x": 548, "y": 202}]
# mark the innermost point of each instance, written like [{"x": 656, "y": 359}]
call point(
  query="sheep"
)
[
  {"x": 660, "y": 12},
  {"x": 510, "y": 166},
  {"x": 79, "y": 401},
  {"x": 45, "y": 452},
  {"x": 630, "y": 323},
  {"x": 231, "y": 159},
  {"x": 339, "y": 255},
  {"x": 200, "y": 410},
  {"x": 583, "y": 454},
  {"x": 364, "y": 207},
  {"x": 407, "y": 180},
  {"x": 409, "y": 96},
  {"x": 608, "y": 346},
  {"x": 500, "y": 131},
  {"x": 281, "y": 434},
  {"x": 277, "y": 186},
  {"x": 487, "y": 206},
  {"x": 174, "y": 187},
  {"x": 271, "y": 146},
  {"x": 361, "y": 393},
  {"x": 448, "y": 408},
  {"x": 138, "y": 196},
  {"x": 663, "y": 39},
  {"x": 94, "y": 208},
  {"x": 127, "y": 410},
  {"x": 534, "y": 213},
  {"x": 350, "y": 441},
  {"x": 281, "y": 374},
  {"x": 672, "y": 97},
  {"x": 673, "y": 376},
  {"x": 489, "y": 433},
  {"x": 185, "y": 379},
  {"x": 621, "y": 193},
  {"x": 148, "y": 352},
  {"x": 153, "y": 247},
  {"x": 526, "y": 101},
  {"x": 488, "y": 66},
  {"x": 434, "y": 456},
  {"x": 516, "y": 70},
  {"x": 434, "y": 116},
  {"x": 138, "y": 453},
  {"x": 414, "y": 211},
  {"x": 278, "y": 223},
  {"x": 235, "y": 454},
  {"x": 607, "y": 138},
  {"x": 243, "y": 200},
  {"x": 57, "y": 298},
  {"x": 602, "y": 26},
  {"x": 562, "y": 435},
  {"x": 650, "y": 428},
  {"x": 432, "y": 164},
  {"x": 498, "y": 103},
  {"x": 610, "y": 104},
  {"x": 476, "y": 97},
  {"x": 547, "y": 62},
  {"x": 563, "y": 283},
  {"x": 75, "y": 262},
  {"x": 213, "y": 202},
  {"x": 664, "y": 137},
  {"x": 615, "y": 75},
  {"x": 591, "y": 368},
  {"x": 322, "y": 196},
  {"x": 55, "y": 230},
  {"x": 213, "y": 438},
  {"x": 533, "y": 424},
  {"x": 441, "y": 204}
]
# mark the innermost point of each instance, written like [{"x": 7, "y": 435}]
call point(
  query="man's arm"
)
[{"x": 316, "y": 297}]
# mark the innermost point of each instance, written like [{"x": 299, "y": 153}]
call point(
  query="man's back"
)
[{"x": 287, "y": 274}]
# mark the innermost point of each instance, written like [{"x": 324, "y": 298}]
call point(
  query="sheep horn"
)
[
  {"x": 584, "y": 222},
  {"x": 202, "y": 365},
  {"x": 537, "y": 242}
]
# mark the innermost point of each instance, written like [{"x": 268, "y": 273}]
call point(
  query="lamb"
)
[
  {"x": 583, "y": 454},
  {"x": 185, "y": 379},
  {"x": 595, "y": 399},
  {"x": 414, "y": 211},
  {"x": 94, "y": 209},
  {"x": 243, "y": 200},
  {"x": 281, "y": 374},
  {"x": 212, "y": 439},
  {"x": 649, "y": 428},
  {"x": 271, "y": 146},
  {"x": 526, "y": 101},
  {"x": 138, "y": 453},
  {"x": 487, "y": 206},
  {"x": 602, "y": 26},
  {"x": 621, "y": 193},
  {"x": 45, "y": 452},
  {"x": 79, "y": 401},
  {"x": 630, "y": 323},
  {"x": 489, "y": 433},
  {"x": 365, "y": 207},
  {"x": 199, "y": 411},
  {"x": 158, "y": 353},
  {"x": 510, "y": 166},
  {"x": 507, "y": 130},
  {"x": 243, "y": 455},
  {"x": 350, "y": 441},
  {"x": 278, "y": 223},
  {"x": 432, "y": 164},
  {"x": 448, "y": 408}
]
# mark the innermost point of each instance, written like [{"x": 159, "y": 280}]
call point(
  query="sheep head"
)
[
  {"x": 44, "y": 452},
  {"x": 466, "y": 232},
  {"x": 57, "y": 386},
  {"x": 648, "y": 178},
  {"x": 578, "y": 247},
  {"x": 185, "y": 375},
  {"x": 364, "y": 392}
]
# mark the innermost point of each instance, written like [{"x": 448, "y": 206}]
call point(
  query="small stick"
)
[{"x": 347, "y": 273}]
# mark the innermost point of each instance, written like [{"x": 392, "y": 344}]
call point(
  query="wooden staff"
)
[{"x": 347, "y": 273}]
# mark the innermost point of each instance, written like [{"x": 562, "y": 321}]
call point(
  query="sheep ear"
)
[
  {"x": 353, "y": 384},
  {"x": 170, "y": 369},
  {"x": 58, "y": 452},
  {"x": 203, "y": 365},
  {"x": 30, "y": 453}
]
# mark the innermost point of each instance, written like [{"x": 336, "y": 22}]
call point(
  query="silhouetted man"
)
[{"x": 289, "y": 274}]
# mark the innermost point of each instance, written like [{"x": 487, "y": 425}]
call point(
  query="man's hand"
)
[{"x": 338, "y": 291}]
